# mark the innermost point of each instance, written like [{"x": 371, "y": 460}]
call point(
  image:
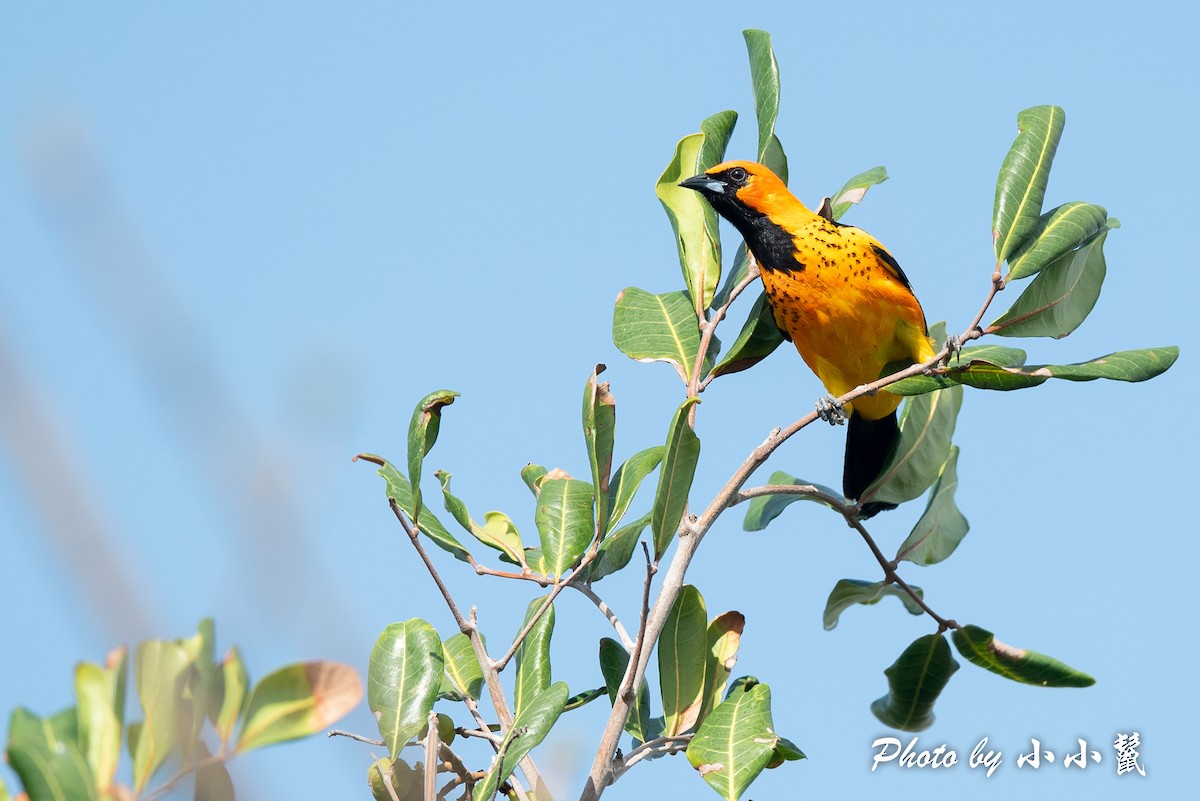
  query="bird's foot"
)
[
  {"x": 832, "y": 412},
  {"x": 954, "y": 346}
]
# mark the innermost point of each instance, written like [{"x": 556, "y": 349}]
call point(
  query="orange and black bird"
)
[{"x": 838, "y": 295}]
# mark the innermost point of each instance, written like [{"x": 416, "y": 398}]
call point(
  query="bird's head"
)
[{"x": 740, "y": 189}]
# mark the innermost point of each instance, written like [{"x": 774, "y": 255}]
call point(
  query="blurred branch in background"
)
[
  {"x": 73, "y": 522},
  {"x": 244, "y": 469}
]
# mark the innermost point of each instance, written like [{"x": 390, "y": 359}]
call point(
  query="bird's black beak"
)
[{"x": 705, "y": 184}]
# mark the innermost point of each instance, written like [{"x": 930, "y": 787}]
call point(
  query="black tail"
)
[{"x": 869, "y": 445}]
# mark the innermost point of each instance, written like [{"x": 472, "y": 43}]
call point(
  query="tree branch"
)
[
  {"x": 431, "y": 753},
  {"x": 608, "y": 613},
  {"x": 662, "y": 746},
  {"x": 352, "y": 736}
]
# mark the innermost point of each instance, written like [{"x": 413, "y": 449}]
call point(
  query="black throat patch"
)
[{"x": 770, "y": 243}]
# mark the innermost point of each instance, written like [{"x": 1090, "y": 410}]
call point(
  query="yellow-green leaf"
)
[
  {"x": 297, "y": 701},
  {"x": 682, "y": 659},
  {"x": 100, "y": 694}
]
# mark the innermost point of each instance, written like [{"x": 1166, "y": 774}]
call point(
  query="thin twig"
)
[
  {"x": 662, "y": 746},
  {"x": 626, "y": 690},
  {"x": 524, "y": 575},
  {"x": 708, "y": 327},
  {"x": 454, "y": 761},
  {"x": 483, "y": 734},
  {"x": 467, "y": 779},
  {"x": 414, "y": 535},
  {"x": 386, "y": 778},
  {"x": 608, "y": 613},
  {"x": 353, "y": 736},
  {"x": 473, "y": 708},
  {"x": 559, "y": 586},
  {"x": 182, "y": 773},
  {"x": 431, "y": 753}
]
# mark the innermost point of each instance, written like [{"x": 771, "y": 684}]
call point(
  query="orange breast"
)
[{"x": 848, "y": 313}]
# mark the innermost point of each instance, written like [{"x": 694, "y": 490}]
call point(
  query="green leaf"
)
[
  {"x": 533, "y": 656},
  {"x": 532, "y": 474},
  {"x": 1060, "y": 297},
  {"x": 300, "y": 700},
  {"x": 681, "y": 454},
  {"x": 628, "y": 479},
  {"x": 785, "y": 751},
  {"x": 617, "y": 549},
  {"x": 400, "y": 491},
  {"x": 1058, "y": 232},
  {"x": 599, "y": 424},
  {"x": 1023, "y": 177},
  {"x": 855, "y": 190},
  {"x": 926, "y": 427},
  {"x": 422, "y": 433},
  {"x": 100, "y": 695},
  {"x": 848, "y": 592},
  {"x": 528, "y": 729},
  {"x": 200, "y": 688},
  {"x": 757, "y": 340},
  {"x": 775, "y": 159},
  {"x": 45, "y": 755},
  {"x": 564, "y": 522},
  {"x": 980, "y": 647},
  {"x": 942, "y": 526},
  {"x": 735, "y": 743},
  {"x": 657, "y": 328},
  {"x": 682, "y": 659},
  {"x": 403, "y": 679},
  {"x": 614, "y": 661},
  {"x": 233, "y": 700},
  {"x": 1000, "y": 355},
  {"x": 584, "y": 698},
  {"x": 722, "y": 640},
  {"x": 158, "y": 667},
  {"x": 1126, "y": 365},
  {"x": 915, "y": 681},
  {"x": 497, "y": 531},
  {"x": 717, "y": 130},
  {"x": 212, "y": 781},
  {"x": 764, "y": 74},
  {"x": 763, "y": 509},
  {"x": 462, "y": 666},
  {"x": 693, "y": 221}
]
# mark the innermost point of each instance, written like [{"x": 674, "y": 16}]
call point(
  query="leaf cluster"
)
[{"x": 196, "y": 714}]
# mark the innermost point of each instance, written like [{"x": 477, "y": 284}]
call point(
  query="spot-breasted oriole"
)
[{"x": 838, "y": 295}]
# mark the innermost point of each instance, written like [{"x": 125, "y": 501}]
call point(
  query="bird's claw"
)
[
  {"x": 954, "y": 346},
  {"x": 832, "y": 412}
]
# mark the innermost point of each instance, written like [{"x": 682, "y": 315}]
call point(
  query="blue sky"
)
[{"x": 239, "y": 244}]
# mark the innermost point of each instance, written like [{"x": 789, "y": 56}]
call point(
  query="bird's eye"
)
[{"x": 737, "y": 175}]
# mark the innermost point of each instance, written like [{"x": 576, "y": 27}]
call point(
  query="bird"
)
[{"x": 839, "y": 296}]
